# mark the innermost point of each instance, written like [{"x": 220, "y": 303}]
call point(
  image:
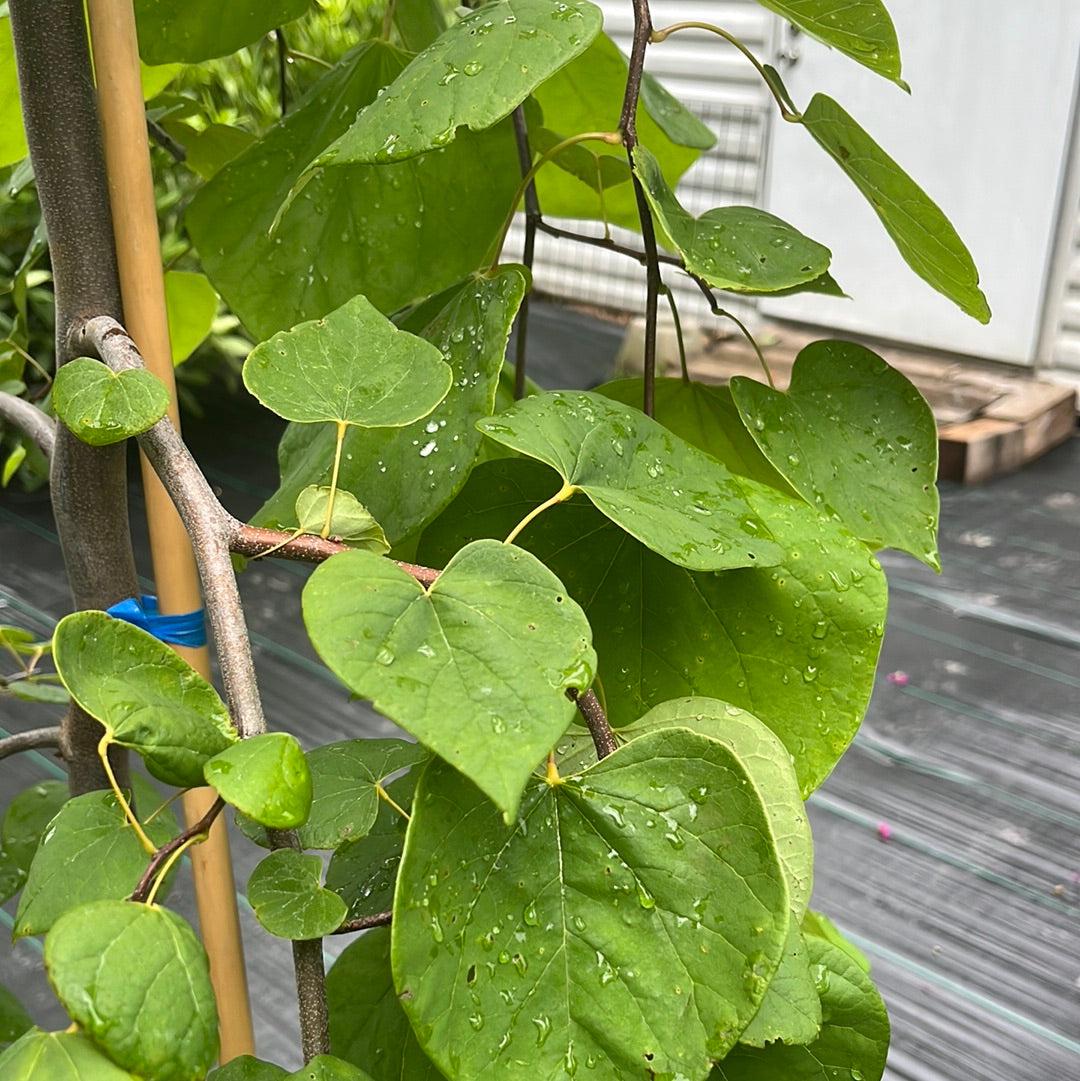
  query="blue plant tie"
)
[{"x": 188, "y": 629}]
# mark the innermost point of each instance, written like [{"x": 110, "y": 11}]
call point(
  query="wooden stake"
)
[{"x": 138, "y": 249}]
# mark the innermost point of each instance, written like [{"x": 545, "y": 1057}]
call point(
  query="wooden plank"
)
[{"x": 977, "y": 450}]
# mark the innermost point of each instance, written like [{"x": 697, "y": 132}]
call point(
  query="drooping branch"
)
[
  {"x": 628, "y": 126},
  {"x": 30, "y": 420},
  {"x": 596, "y": 721},
  {"x": 32, "y": 740},
  {"x": 162, "y": 855},
  {"x": 88, "y": 484}
]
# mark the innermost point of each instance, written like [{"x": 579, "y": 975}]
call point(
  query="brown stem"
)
[
  {"x": 161, "y": 856},
  {"x": 628, "y": 125},
  {"x": 606, "y": 243},
  {"x": 310, "y": 969},
  {"x": 252, "y": 540},
  {"x": 596, "y": 720},
  {"x": 210, "y": 527},
  {"x": 30, "y": 420},
  {"x": 88, "y": 484},
  {"x": 532, "y": 219},
  {"x": 365, "y": 923},
  {"x": 32, "y": 740}
]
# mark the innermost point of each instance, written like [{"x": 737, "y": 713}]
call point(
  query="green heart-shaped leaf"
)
[
  {"x": 353, "y": 366},
  {"x": 188, "y": 31},
  {"x": 148, "y": 697},
  {"x": 738, "y": 248},
  {"x": 103, "y": 407},
  {"x": 638, "y": 932},
  {"x": 856, "y": 439},
  {"x": 367, "y": 1023},
  {"x": 350, "y": 520},
  {"x": 14, "y": 1020},
  {"x": 854, "y": 1037},
  {"x": 861, "y": 29},
  {"x": 136, "y": 979},
  {"x": 347, "y": 776},
  {"x": 26, "y": 818},
  {"x": 405, "y": 476},
  {"x": 477, "y": 667},
  {"x": 363, "y": 873},
  {"x": 794, "y": 644},
  {"x": 58, "y": 1056},
  {"x": 791, "y": 1010},
  {"x": 770, "y": 767},
  {"x": 474, "y": 74},
  {"x": 287, "y": 895},
  {"x": 678, "y": 501},
  {"x": 266, "y": 777},
  {"x": 922, "y": 234},
  {"x": 402, "y": 231},
  {"x": 89, "y": 853}
]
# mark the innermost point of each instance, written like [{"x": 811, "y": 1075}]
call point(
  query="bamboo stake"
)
[{"x": 138, "y": 248}]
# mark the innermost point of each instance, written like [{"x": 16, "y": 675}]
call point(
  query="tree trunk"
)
[{"x": 88, "y": 484}]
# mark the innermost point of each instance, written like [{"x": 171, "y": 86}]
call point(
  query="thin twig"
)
[
  {"x": 593, "y": 713},
  {"x": 628, "y": 126},
  {"x": 365, "y": 923},
  {"x": 161, "y": 856},
  {"x": 32, "y": 740},
  {"x": 30, "y": 420},
  {"x": 532, "y": 218},
  {"x": 296, "y": 54},
  {"x": 606, "y": 243},
  {"x": 253, "y": 541},
  {"x": 163, "y": 139}
]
